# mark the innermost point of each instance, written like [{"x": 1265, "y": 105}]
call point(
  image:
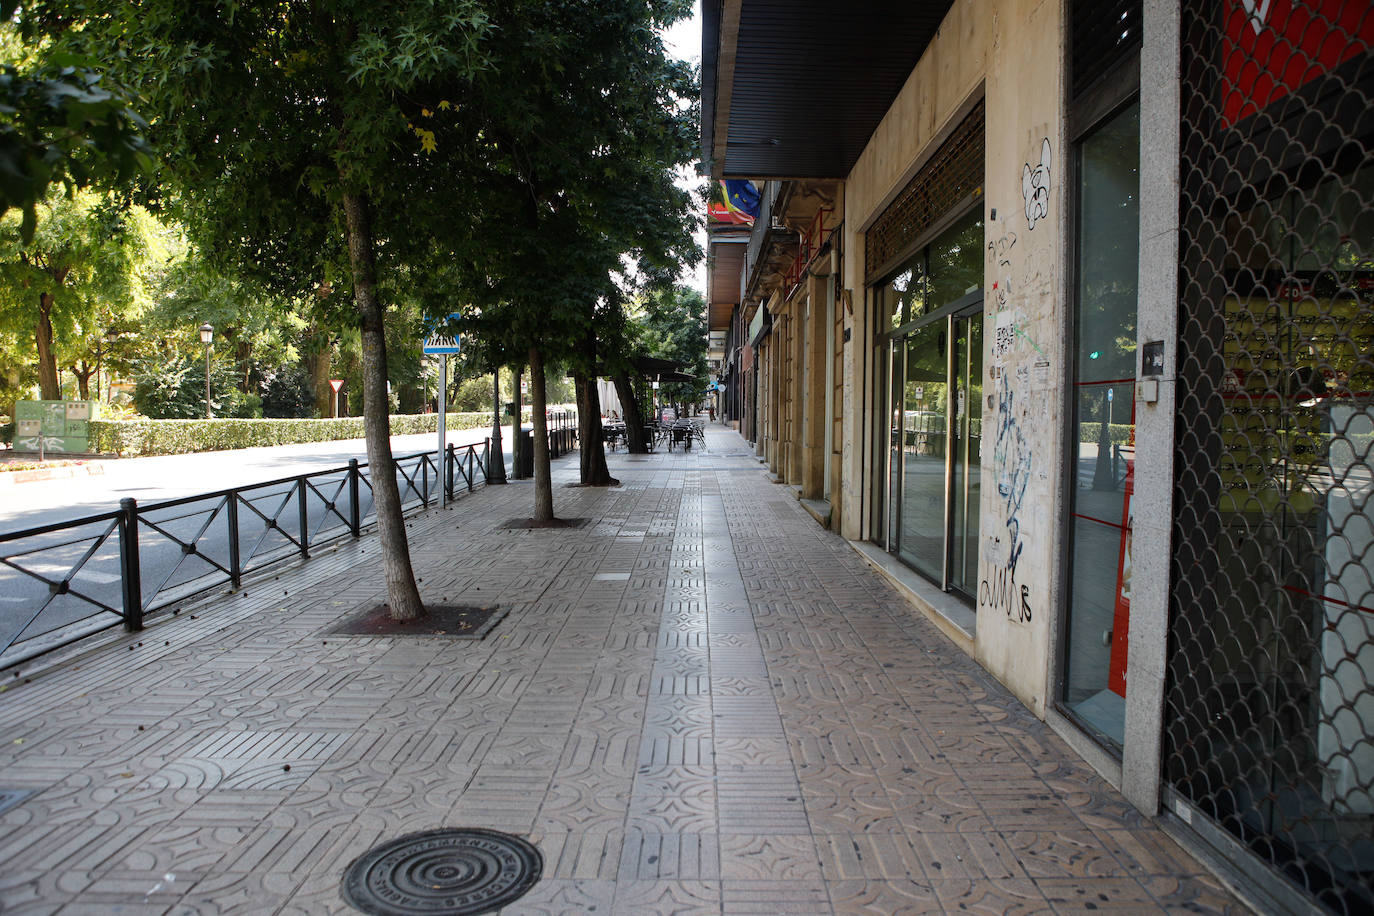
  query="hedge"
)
[{"x": 132, "y": 438}]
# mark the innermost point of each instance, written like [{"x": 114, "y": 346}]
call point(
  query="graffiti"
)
[
  {"x": 1035, "y": 187},
  {"x": 1001, "y": 249},
  {"x": 999, "y": 590},
  {"x": 1003, "y": 336},
  {"x": 1012, "y": 461}
]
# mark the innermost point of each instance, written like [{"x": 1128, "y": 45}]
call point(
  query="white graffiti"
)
[
  {"x": 1258, "y": 11},
  {"x": 1035, "y": 187}
]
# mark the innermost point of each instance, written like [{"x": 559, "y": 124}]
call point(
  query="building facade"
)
[{"x": 1062, "y": 313}]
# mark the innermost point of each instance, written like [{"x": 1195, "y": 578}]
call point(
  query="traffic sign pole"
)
[{"x": 443, "y": 432}]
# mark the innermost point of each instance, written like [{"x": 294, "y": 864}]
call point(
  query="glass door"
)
[
  {"x": 895, "y": 356},
  {"x": 966, "y": 448},
  {"x": 931, "y": 313},
  {"x": 925, "y": 404}
]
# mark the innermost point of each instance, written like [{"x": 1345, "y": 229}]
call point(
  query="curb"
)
[{"x": 14, "y": 478}]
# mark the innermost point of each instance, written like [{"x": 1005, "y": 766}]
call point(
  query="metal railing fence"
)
[{"x": 63, "y": 581}]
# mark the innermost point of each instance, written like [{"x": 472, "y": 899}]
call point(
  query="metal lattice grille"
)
[
  {"x": 951, "y": 175},
  {"x": 1270, "y": 690},
  {"x": 1102, "y": 32}
]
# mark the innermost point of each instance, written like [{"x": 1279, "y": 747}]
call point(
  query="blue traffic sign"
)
[{"x": 441, "y": 344}]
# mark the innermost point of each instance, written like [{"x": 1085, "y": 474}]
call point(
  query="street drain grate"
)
[
  {"x": 452, "y": 871},
  {"x": 9, "y": 798}
]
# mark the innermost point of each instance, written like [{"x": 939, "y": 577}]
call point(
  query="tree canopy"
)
[{"x": 62, "y": 121}]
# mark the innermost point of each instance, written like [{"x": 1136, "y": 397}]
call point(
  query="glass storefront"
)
[
  {"x": 1102, "y": 461},
  {"x": 933, "y": 345}
]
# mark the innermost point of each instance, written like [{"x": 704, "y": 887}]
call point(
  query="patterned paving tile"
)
[
  {"x": 882, "y": 898},
  {"x": 698, "y": 703},
  {"x": 680, "y": 898},
  {"x": 846, "y": 857}
]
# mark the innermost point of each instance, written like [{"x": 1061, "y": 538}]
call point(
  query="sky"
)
[{"x": 684, "y": 41}]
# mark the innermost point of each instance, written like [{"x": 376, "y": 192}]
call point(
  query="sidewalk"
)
[{"x": 700, "y": 702}]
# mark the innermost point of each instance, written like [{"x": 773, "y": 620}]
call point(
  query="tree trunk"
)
[
  {"x": 243, "y": 353},
  {"x": 317, "y": 363},
  {"x": 47, "y": 361},
  {"x": 83, "y": 380},
  {"x": 636, "y": 442},
  {"x": 496, "y": 458},
  {"x": 402, "y": 593},
  {"x": 543, "y": 478},
  {"x": 592, "y": 452},
  {"x": 517, "y": 446}
]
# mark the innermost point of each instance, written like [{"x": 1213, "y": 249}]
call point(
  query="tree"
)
[
  {"x": 288, "y": 394},
  {"x": 82, "y": 271},
  {"x": 675, "y": 328},
  {"x": 290, "y": 133},
  {"x": 575, "y": 161},
  {"x": 61, "y": 122}
]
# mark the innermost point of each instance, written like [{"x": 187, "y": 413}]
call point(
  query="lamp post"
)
[{"x": 207, "y": 334}]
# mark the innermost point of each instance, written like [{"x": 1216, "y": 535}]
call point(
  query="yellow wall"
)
[{"x": 1011, "y": 53}]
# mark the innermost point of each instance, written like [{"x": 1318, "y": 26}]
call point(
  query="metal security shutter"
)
[
  {"x": 1102, "y": 33},
  {"x": 952, "y": 176},
  {"x": 1269, "y": 717}
]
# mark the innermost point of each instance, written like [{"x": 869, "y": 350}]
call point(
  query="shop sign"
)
[
  {"x": 1274, "y": 47},
  {"x": 756, "y": 326}
]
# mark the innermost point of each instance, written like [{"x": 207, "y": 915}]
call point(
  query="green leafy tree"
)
[
  {"x": 62, "y": 122},
  {"x": 288, "y": 394},
  {"x": 675, "y": 328},
  {"x": 291, "y": 133},
  {"x": 173, "y": 388},
  {"x": 574, "y": 163},
  {"x": 83, "y": 271}
]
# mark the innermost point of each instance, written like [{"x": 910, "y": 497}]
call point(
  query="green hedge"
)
[
  {"x": 131, "y": 438},
  {"x": 1117, "y": 433}
]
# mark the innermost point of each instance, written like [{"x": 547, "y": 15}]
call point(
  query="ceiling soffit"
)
[{"x": 795, "y": 88}]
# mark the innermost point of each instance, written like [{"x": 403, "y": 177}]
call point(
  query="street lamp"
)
[{"x": 207, "y": 334}]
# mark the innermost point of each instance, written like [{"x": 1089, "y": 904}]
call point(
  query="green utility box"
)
[{"x": 54, "y": 426}]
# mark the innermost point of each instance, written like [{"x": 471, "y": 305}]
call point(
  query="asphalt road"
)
[
  {"x": 166, "y": 569},
  {"x": 43, "y": 502}
]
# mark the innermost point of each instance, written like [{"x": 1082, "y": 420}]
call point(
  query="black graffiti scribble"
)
[
  {"x": 1012, "y": 458},
  {"x": 1035, "y": 186}
]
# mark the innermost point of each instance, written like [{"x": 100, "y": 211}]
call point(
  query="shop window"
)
[{"x": 1102, "y": 455}]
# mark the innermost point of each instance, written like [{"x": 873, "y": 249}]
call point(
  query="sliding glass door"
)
[{"x": 933, "y": 391}]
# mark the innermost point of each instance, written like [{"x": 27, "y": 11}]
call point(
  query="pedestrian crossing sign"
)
[{"x": 437, "y": 344}]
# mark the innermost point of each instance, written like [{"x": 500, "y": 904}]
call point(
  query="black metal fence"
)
[
  {"x": 61, "y": 582},
  {"x": 1270, "y": 690}
]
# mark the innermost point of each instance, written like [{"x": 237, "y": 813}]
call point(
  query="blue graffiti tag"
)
[{"x": 1012, "y": 459}]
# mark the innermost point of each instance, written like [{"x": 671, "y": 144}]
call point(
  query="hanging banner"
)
[{"x": 733, "y": 202}]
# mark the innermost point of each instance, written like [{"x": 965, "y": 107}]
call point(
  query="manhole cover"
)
[{"x": 452, "y": 871}]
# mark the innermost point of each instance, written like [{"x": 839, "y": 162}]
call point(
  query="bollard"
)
[
  {"x": 354, "y": 519},
  {"x": 450, "y": 460},
  {"x": 303, "y": 515},
  {"x": 128, "y": 561},
  {"x": 231, "y": 511}
]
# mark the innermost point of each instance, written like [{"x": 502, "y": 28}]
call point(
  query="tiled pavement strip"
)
[{"x": 700, "y": 702}]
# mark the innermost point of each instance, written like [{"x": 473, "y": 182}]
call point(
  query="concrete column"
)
[
  {"x": 1154, "y": 433},
  {"x": 797, "y": 389},
  {"x": 815, "y": 420}
]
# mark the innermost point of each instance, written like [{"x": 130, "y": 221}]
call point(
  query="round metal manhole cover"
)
[{"x": 451, "y": 871}]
